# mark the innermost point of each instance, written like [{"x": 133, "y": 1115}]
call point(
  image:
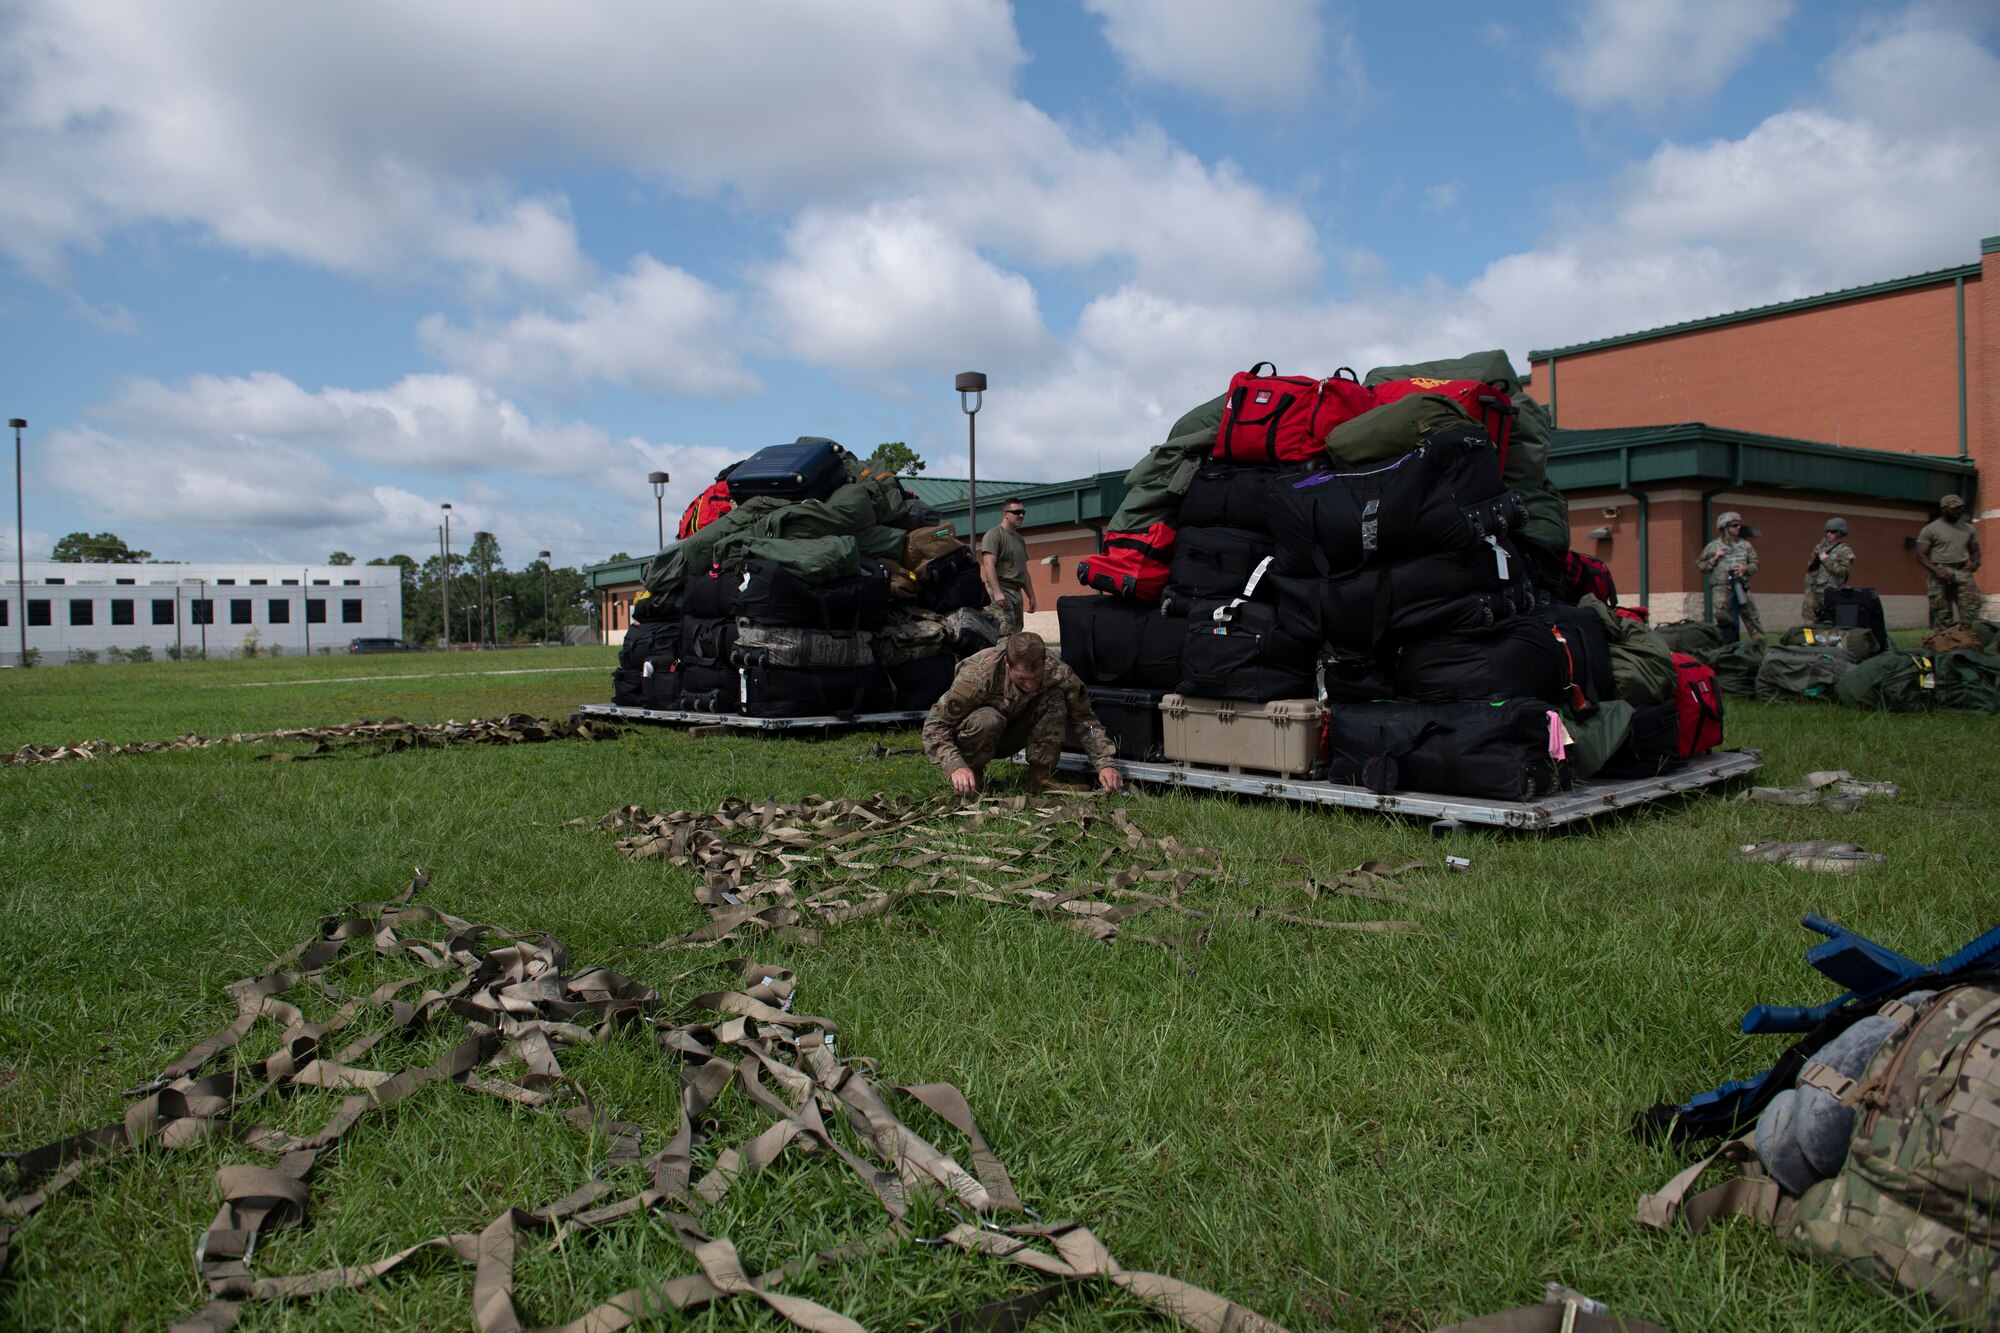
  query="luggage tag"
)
[
  {"x": 1371, "y": 524},
  {"x": 1926, "y": 678},
  {"x": 1500, "y": 560},
  {"x": 1225, "y": 613}
]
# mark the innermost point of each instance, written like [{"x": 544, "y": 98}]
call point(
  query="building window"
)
[
  {"x": 350, "y": 583},
  {"x": 239, "y": 610},
  {"x": 281, "y": 612},
  {"x": 5, "y": 607},
  {"x": 316, "y": 611},
  {"x": 225, "y": 583},
  {"x": 126, "y": 581},
  {"x": 322, "y": 583},
  {"x": 289, "y": 583},
  {"x": 82, "y": 612},
  {"x": 121, "y": 610},
  {"x": 201, "y": 611},
  {"x": 163, "y": 611},
  {"x": 259, "y": 583},
  {"x": 38, "y": 611},
  {"x": 57, "y": 583},
  {"x": 350, "y": 610}
]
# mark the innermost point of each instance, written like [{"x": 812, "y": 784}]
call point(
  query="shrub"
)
[
  {"x": 31, "y": 657},
  {"x": 248, "y": 648},
  {"x": 275, "y": 650},
  {"x": 83, "y": 657},
  {"x": 142, "y": 653}
]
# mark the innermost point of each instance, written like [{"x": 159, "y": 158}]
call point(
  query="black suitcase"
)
[
  {"x": 1232, "y": 495},
  {"x": 648, "y": 639},
  {"x": 1521, "y": 658},
  {"x": 1457, "y": 592},
  {"x": 1215, "y": 564},
  {"x": 710, "y": 593},
  {"x": 951, "y": 582},
  {"x": 1442, "y": 496},
  {"x": 1493, "y": 751},
  {"x": 808, "y": 469},
  {"x": 770, "y": 594},
  {"x": 1590, "y": 649},
  {"x": 1131, "y": 718},
  {"x": 706, "y": 688},
  {"x": 1653, "y": 746},
  {"x": 922, "y": 681},
  {"x": 770, "y": 691},
  {"x": 1118, "y": 643},
  {"x": 628, "y": 687},
  {"x": 1239, "y": 650},
  {"x": 1858, "y": 608},
  {"x": 660, "y": 685}
]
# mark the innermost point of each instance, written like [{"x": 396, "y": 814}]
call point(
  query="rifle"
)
[{"x": 1732, "y": 629}]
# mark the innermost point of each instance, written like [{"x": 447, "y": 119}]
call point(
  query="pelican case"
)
[
  {"x": 1131, "y": 718},
  {"x": 1281, "y": 736}
]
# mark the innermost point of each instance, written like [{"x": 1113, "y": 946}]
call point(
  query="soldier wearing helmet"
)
[
  {"x": 1828, "y": 568},
  {"x": 1729, "y": 561},
  {"x": 1948, "y": 549}
]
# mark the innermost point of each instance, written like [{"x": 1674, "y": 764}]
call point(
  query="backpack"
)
[
  {"x": 1951, "y": 639},
  {"x": 1699, "y": 701},
  {"x": 1801, "y": 671},
  {"x": 1895, "y": 682},
  {"x": 1132, "y": 564},
  {"x": 1285, "y": 418},
  {"x": 1736, "y": 666},
  {"x": 923, "y": 545},
  {"x": 1968, "y": 682},
  {"x": 1488, "y": 404},
  {"x": 1587, "y": 576}
]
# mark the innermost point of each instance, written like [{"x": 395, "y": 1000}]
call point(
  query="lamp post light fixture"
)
[
  {"x": 20, "y": 556},
  {"x": 660, "y": 480},
  {"x": 545, "y": 596},
  {"x": 971, "y": 395},
  {"x": 444, "y": 575}
]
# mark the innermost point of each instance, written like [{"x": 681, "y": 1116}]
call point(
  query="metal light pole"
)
[
  {"x": 444, "y": 575},
  {"x": 659, "y": 480},
  {"x": 971, "y": 395},
  {"x": 498, "y": 598},
  {"x": 20, "y": 553},
  {"x": 545, "y": 597}
]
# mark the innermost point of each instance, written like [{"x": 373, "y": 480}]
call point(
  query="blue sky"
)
[{"x": 277, "y": 280}]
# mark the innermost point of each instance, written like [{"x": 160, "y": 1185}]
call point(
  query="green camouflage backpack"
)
[
  {"x": 1859, "y": 641},
  {"x": 1801, "y": 671},
  {"x": 1895, "y": 682},
  {"x": 1736, "y": 666},
  {"x": 1968, "y": 682}
]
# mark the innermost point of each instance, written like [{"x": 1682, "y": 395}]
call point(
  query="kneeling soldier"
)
[{"x": 1016, "y": 696}]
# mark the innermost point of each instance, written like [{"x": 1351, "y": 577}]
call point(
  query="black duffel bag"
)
[
  {"x": 770, "y": 594},
  {"x": 1652, "y": 746},
  {"x": 710, "y": 593},
  {"x": 1521, "y": 658},
  {"x": 1590, "y": 651},
  {"x": 1360, "y": 616},
  {"x": 772, "y": 691},
  {"x": 628, "y": 686},
  {"x": 1232, "y": 495},
  {"x": 660, "y": 685},
  {"x": 1444, "y": 495},
  {"x": 1497, "y": 751},
  {"x": 707, "y": 643},
  {"x": 1215, "y": 564},
  {"x": 657, "y": 608},
  {"x": 1356, "y": 682},
  {"x": 1238, "y": 650},
  {"x": 648, "y": 638},
  {"x": 922, "y": 681},
  {"x": 950, "y": 582},
  {"x": 1117, "y": 642}
]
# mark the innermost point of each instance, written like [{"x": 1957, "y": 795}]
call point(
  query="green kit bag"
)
[
  {"x": 1697, "y": 638},
  {"x": 813, "y": 559},
  {"x": 1157, "y": 483},
  {"x": 1736, "y": 666},
  {"x": 1594, "y": 739},
  {"x": 1859, "y": 640},
  {"x": 1390, "y": 432},
  {"x": 1642, "y": 666},
  {"x": 1892, "y": 682},
  {"x": 1801, "y": 671},
  {"x": 1968, "y": 682}
]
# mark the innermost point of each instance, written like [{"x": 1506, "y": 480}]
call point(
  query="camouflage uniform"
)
[
  {"x": 983, "y": 717},
  {"x": 1951, "y": 543},
  {"x": 1010, "y": 570},
  {"x": 1718, "y": 560},
  {"x": 1835, "y": 560}
]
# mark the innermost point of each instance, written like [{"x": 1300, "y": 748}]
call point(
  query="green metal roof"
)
[
  {"x": 1990, "y": 245},
  {"x": 1781, "y": 307},
  {"x": 938, "y": 492},
  {"x": 615, "y": 574},
  {"x": 1050, "y": 504},
  {"x": 1620, "y": 458}
]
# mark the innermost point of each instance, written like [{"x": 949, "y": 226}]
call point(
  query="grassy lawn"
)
[{"x": 1339, "y": 1130}]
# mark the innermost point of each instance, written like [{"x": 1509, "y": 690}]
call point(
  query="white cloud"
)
[
  {"x": 654, "y": 327},
  {"x": 1654, "y": 54},
  {"x": 890, "y": 290},
  {"x": 1246, "y": 55}
]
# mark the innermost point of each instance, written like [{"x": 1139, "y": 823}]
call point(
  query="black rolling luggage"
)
[
  {"x": 1590, "y": 650},
  {"x": 1457, "y": 592},
  {"x": 1231, "y": 495},
  {"x": 922, "y": 681},
  {"x": 1521, "y": 658},
  {"x": 1118, "y": 643},
  {"x": 1858, "y": 607},
  {"x": 1131, "y": 718},
  {"x": 808, "y": 469},
  {"x": 1215, "y": 564},
  {"x": 1497, "y": 751},
  {"x": 770, "y": 594},
  {"x": 707, "y": 643},
  {"x": 774, "y": 691},
  {"x": 661, "y": 683},
  {"x": 951, "y": 582},
  {"x": 1239, "y": 650}
]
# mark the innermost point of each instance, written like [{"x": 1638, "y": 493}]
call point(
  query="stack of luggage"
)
[
  {"x": 1368, "y": 579},
  {"x": 803, "y": 585}
]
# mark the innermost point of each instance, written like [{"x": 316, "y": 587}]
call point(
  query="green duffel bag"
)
[
  {"x": 891, "y": 504},
  {"x": 1802, "y": 671},
  {"x": 911, "y": 633},
  {"x": 1859, "y": 640},
  {"x": 882, "y": 543},
  {"x": 1392, "y": 431},
  {"x": 814, "y": 559},
  {"x": 1157, "y": 483},
  {"x": 848, "y": 511},
  {"x": 1596, "y": 738},
  {"x": 1203, "y": 420},
  {"x": 1736, "y": 666},
  {"x": 669, "y": 569},
  {"x": 1642, "y": 666},
  {"x": 1697, "y": 638},
  {"x": 1968, "y": 682},
  {"x": 1890, "y": 682}
]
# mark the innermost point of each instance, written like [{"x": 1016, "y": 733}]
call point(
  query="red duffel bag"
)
[
  {"x": 1699, "y": 699},
  {"x": 1488, "y": 404},
  {"x": 1132, "y": 564},
  {"x": 1285, "y": 418}
]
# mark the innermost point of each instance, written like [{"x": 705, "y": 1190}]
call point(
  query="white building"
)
[{"x": 193, "y": 608}]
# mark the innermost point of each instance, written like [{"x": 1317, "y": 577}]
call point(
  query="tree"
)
[
  {"x": 896, "y": 458},
  {"x": 340, "y": 558},
  {"x": 103, "y": 548}
]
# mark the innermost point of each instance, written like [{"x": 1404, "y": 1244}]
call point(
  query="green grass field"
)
[{"x": 1339, "y": 1130}]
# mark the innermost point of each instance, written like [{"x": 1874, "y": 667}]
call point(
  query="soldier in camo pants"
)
[{"x": 1016, "y": 696}]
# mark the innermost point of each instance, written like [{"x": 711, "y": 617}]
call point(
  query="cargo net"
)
[
  {"x": 385, "y": 737},
  {"x": 488, "y": 1010},
  {"x": 795, "y": 871}
]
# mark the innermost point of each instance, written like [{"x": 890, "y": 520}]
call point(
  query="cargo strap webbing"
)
[
  {"x": 519, "y": 998},
  {"x": 390, "y": 734}
]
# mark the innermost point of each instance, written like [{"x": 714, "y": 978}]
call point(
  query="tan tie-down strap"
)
[
  {"x": 386, "y": 736},
  {"x": 1752, "y": 1194},
  {"x": 516, "y": 998},
  {"x": 796, "y": 871}
]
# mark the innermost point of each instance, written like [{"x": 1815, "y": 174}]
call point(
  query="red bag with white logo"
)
[
  {"x": 1273, "y": 418},
  {"x": 1488, "y": 404},
  {"x": 1132, "y": 564},
  {"x": 1699, "y": 699}
]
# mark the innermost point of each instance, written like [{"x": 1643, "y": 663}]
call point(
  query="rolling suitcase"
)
[
  {"x": 808, "y": 469},
  {"x": 1499, "y": 751},
  {"x": 1281, "y": 736},
  {"x": 798, "y": 646},
  {"x": 1112, "y": 642},
  {"x": 1131, "y": 718}
]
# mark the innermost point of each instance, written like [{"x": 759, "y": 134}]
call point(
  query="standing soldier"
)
[
  {"x": 1948, "y": 549},
  {"x": 1729, "y": 561},
  {"x": 1003, "y": 565},
  {"x": 1828, "y": 568},
  {"x": 1016, "y": 696}
]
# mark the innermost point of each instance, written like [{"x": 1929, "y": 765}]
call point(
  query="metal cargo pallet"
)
[
  {"x": 1584, "y": 801},
  {"x": 686, "y": 717}
]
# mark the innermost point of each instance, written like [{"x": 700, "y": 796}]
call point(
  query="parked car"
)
[{"x": 381, "y": 646}]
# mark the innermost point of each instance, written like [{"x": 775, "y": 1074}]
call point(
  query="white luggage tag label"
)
[
  {"x": 646, "y": 672},
  {"x": 1371, "y": 525},
  {"x": 1500, "y": 560},
  {"x": 1225, "y": 613}
]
